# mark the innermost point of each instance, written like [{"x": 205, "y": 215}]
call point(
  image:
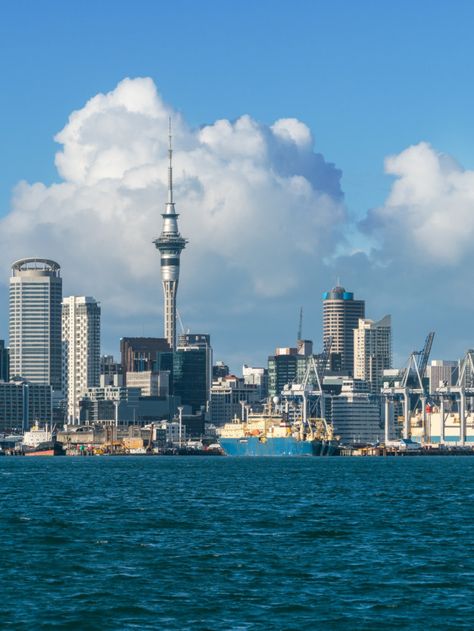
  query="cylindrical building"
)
[
  {"x": 341, "y": 315},
  {"x": 35, "y": 321}
]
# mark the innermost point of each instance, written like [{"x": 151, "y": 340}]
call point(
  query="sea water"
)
[{"x": 244, "y": 544}]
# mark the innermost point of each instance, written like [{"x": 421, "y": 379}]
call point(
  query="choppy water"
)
[{"x": 247, "y": 544}]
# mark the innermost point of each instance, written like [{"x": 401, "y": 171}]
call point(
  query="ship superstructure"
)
[
  {"x": 271, "y": 433},
  {"x": 170, "y": 243}
]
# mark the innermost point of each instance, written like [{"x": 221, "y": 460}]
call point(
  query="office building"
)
[
  {"x": 35, "y": 321},
  {"x": 373, "y": 351},
  {"x": 191, "y": 376},
  {"x": 138, "y": 354},
  {"x": 441, "y": 373},
  {"x": 111, "y": 372},
  {"x": 341, "y": 314},
  {"x": 22, "y": 404},
  {"x": 229, "y": 396},
  {"x": 202, "y": 341},
  {"x": 220, "y": 370},
  {"x": 4, "y": 362},
  {"x": 151, "y": 384},
  {"x": 170, "y": 244},
  {"x": 256, "y": 377}
]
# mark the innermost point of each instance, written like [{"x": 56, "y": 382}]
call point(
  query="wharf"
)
[{"x": 393, "y": 451}]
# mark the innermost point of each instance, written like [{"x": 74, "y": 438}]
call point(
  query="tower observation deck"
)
[{"x": 170, "y": 243}]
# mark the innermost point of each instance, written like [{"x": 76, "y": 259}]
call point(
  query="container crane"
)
[
  {"x": 460, "y": 391},
  {"x": 411, "y": 383}
]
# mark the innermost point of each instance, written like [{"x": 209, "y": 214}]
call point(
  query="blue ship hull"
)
[{"x": 285, "y": 446}]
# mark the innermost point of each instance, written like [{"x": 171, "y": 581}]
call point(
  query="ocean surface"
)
[{"x": 244, "y": 544}]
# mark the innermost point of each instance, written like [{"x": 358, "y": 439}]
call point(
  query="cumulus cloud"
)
[
  {"x": 257, "y": 204},
  {"x": 429, "y": 213}
]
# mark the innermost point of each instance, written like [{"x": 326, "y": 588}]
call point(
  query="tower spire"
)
[
  {"x": 170, "y": 165},
  {"x": 170, "y": 243}
]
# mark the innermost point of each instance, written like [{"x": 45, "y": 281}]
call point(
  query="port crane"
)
[
  {"x": 462, "y": 391},
  {"x": 411, "y": 383},
  {"x": 311, "y": 388}
]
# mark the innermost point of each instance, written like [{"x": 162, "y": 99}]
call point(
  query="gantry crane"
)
[
  {"x": 461, "y": 390},
  {"x": 411, "y": 383}
]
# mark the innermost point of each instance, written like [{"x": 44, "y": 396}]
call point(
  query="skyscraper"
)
[
  {"x": 373, "y": 351},
  {"x": 170, "y": 243},
  {"x": 341, "y": 315},
  {"x": 35, "y": 321},
  {"x": 81, "y": 349}
]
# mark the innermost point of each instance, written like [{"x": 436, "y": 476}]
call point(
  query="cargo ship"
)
[
  {"x": 270, "y": 434},
  {"x": 48, "y": 448},
  {"x": 41, "y": 442}
]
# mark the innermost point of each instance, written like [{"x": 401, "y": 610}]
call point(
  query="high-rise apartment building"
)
[
  {"x": 35, "y": 321},
  {"x": 81, "y": 349},
  {"x": 341, "y": 314},
  {"x": 373, "y": 351}
]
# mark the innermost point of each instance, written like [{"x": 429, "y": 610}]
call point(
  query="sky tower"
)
[{"x": 170, "y": 243}]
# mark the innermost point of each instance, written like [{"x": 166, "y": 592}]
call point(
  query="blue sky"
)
[{"x": 369, "y": 79}]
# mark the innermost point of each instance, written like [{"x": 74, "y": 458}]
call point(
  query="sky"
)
[{"x": 314, "y": 141}]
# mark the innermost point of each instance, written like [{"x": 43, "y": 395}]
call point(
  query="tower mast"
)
[{"x": 170, "y": 243}]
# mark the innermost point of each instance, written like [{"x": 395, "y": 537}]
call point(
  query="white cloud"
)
[
  {"x": 259, "y": 207},
  {"x": 429, "y": 213}
]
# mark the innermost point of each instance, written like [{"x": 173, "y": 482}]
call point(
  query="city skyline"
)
[{"x": 281, "y": 189}]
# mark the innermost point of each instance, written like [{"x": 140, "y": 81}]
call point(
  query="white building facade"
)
[
  {"x": 373, "y": 351},
  {"x": 81, "y": 349},
  {"x": 35, "y": 321}
]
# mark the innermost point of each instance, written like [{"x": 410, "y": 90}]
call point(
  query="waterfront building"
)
[
  {"x": 229, "y": 396},
  {"x": 120, "y": 405},
  {"x": 341, "y": 314},
  {"x": 373, "y": 351},
  {"x": 81, "y": 349},
  {"x": 4, "y": 362},
  {"x": 140, "y": 354},
  {"x": 170, "y": 244},
  {"x": 107, "y": 404},
  {"x": 355, "y": 414},
  {"x": 35, "y": 321},
  {"x": 22, "y": 404}
]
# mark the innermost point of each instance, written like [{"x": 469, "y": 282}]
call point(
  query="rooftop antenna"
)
[{"x": 300, "y": 326}]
